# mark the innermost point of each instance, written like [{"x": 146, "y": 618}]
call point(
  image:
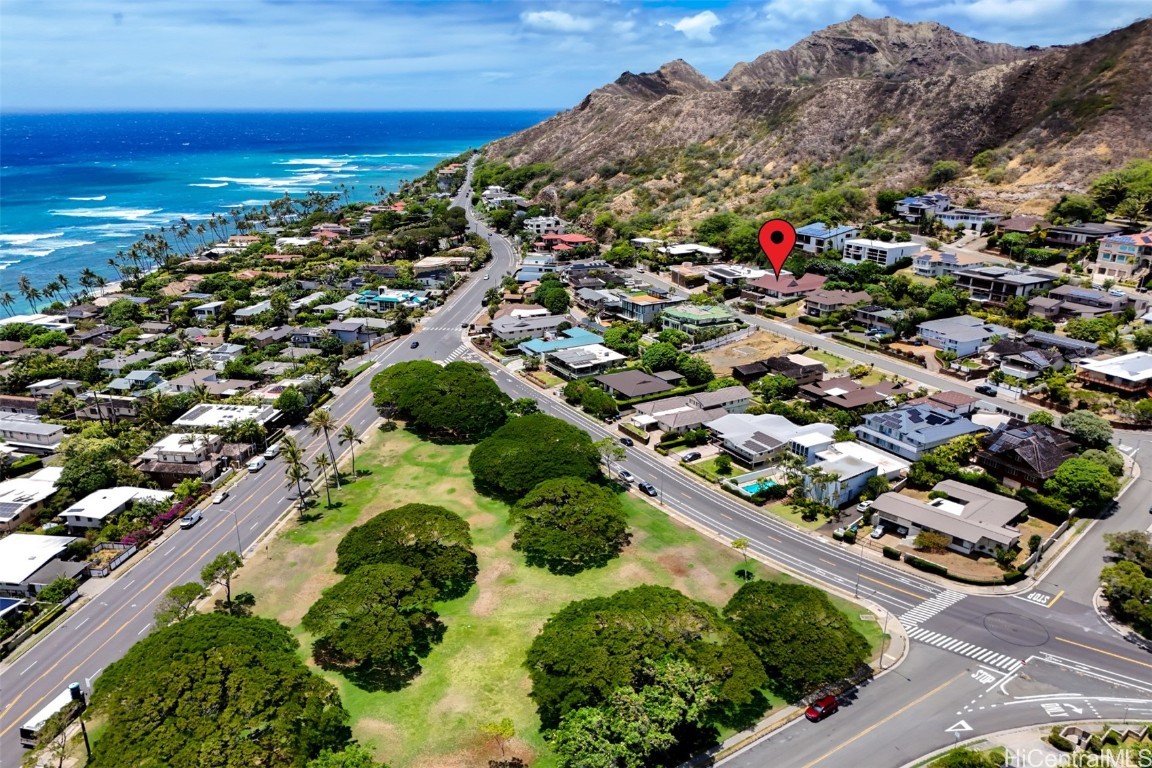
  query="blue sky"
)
[{"x": 402, "y": 54}]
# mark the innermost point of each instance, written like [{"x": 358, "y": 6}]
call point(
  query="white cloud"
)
[
  {"x": 698, "y": 27},
  {"x": 557, "y": 21},
  {"x": 822, "y": 12}
]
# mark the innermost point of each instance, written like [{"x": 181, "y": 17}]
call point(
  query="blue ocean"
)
[{"x": 76, "y": 188}]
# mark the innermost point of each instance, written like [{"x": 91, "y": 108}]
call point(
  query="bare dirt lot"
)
[{"x": 756, "y": 347}]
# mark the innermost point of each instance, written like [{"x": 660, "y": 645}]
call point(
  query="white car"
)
[
  {"x": 272, "y": 452},
  {"x": 256, "y": 464},
  {"x": 487, "y": 277},
  {"x": 627, "y": 476},
  {"x": 877, "y": 532},
  {"x": 219, "y": 498},
  {"x": 1117, "y": 293},
  {"x": 191, "y": 519},
  {"x": 863, "y": 506}
]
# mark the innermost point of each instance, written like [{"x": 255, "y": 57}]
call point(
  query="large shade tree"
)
[
  {"x": 457, "y": 402},
  {"x": 567, "y": 525},
  {"x": 591, "y": 648},
  {"x": 215, "y": 690},
  {"x": 802, "y": 640},
  {"x": 529, "y": 450},
  {"x": 375, "y": 625},
  {"x": 431, "y": 539}
]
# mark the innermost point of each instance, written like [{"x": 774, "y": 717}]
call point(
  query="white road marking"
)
[
  {"x": 29, "y": 667},
  {"x": 128, "y": 584}
]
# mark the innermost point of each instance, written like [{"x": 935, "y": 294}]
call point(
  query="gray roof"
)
[
  {"x": 984, "y": 514},
  {"x": 1006, "y": 275},
  {"x": 509, "y": 324},
  {"x": 634, "y": 383},
  {"x": 1072, "y": 347},
  {"x": 720, "y": 397},
  {"x": 921, "y": 424},
  {"x": 964, "y": 328}
]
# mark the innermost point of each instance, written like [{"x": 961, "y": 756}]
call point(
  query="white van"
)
[{"x": 256, "y": 464}]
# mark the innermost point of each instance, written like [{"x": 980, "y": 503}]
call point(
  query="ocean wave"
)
[
  {"x": 24, "y": 239},
  {"x": 34, "y": 253},
  {"x": 47, "y": 248},
  {"x": 267, "y": 182},
  {"x": 409, "y": 154},
  {"x": 212, "y": 186},
  {"x": 98, "y": 198},
  {"x": 6, "y": 264},
  {"x": 317, "y": 161},
  {"x": 255, "y": 202},
  {"x": 109, "y": 212}
]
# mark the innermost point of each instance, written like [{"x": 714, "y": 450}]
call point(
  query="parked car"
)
[
  {"x": 987, "y": 389},
  {"x": 863, "y": 506},
  {"x": 821, "y": 708},
  {"x": 627, "y": 476},
  {"x": 487, "y": 277},
  {"x": 627, "y": 441},
  {"x": 191, "y": 519},
  {"x": 648, "y": 488},
  {"x": 690, "y": 456},
  {"x": 1116, "y": 292},
  {"x": 272, "y": 451},
  {"x": 413, "y": 345},
  {"x": 877, "y": 532},
  {"x": 219, "y": 498},
  {"x": 256, "y": 464}
]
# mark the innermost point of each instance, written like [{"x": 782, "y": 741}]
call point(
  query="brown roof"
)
[{"x": 790, "y": 283}]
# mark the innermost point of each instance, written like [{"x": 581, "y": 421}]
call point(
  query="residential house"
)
[
  {"x": 208, "y": 311},
  {"x": 1075, "y": 235},
  {"x": 644, "y": 307},
  {"x": 1077, "y": 301},
  {"x": 566, "y": 339},
  {"x": 822, "y": 303},
  {"x": 689, "y": 275},
  {"x": 786, "y": 286},
  {"x": 887, "y": 466},
  {"x": 847, "y": 394},
  {"x": 912, "y": 209},
  {"x": 97, "y": 335},
  {"x": 214, "y": 415},
  {"x": 29, "y": 562},
  {"x": 756, "y": 439},
  {"x": 629, "y": 384},
  {"x": 562, "y": 245},
  {"x": 247, "y": 313},
  {"x": 11, "y": 348},
  {"x": 1021, "y": 454},
  {"x": 1130, "y": 374},
  {"x": 840, "y": 481},
  {"x": 818, "y": 237},
  {"x": 804, "y": 370},
  {"x": 1124, "y": 257},
  {"x": 354, "y": 331},
  {"x": 29, "y": 434},
  {"x": 734, "y": 274},
  {"x": 79, "y": 312},
  {"x": 589, "y": 298},
  {"x": 695, "y": 319},
  {"x": 976, "y": 520},
  {"x": 878, "y": 318},
  {"x": 99, "y": 507},
  {"x": 1072, "y": 349},
  {"x": 583, "y": 361},
  {"x": 963, "y": 335},
  {"x": 44, "y": 389},
  {"x": 995, "y": 285},
  {"x": 21, "y": 498},
  {"x": 947, "y": 400},
  {"x": 278, "y": 335},
  {"x": 690, "y": 252},
  {"x": 135, "y": 381},
  {"x": 1031, "y": 364},
  {"x": 296, "y": 305},
  {"x": 29, "y": 406},
  {"x": 968, "y": 218},
  {"x": 933, "y": 264},
  {"x": 116, "y": 365},
  {"x": 516, "y": 328},
  {"x": 210, "y": 380},
  {"x": 225, "y": 353},
  {"x": 878, "y": 252},
  {"x": 912, "y": 431},
  {"x": 183, "y": 455},
  {"x": 156, "y": 328},
  {"x": 100, "y": 406},
  {"x": 1021, "y": 224},
  {"x": 545, "y": 225},
  {"x": 687, "y": 412}
]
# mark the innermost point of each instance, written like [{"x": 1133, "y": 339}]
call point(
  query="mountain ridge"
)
[{"x": 884, "y": 97}]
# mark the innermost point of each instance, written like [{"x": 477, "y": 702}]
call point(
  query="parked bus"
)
[{"x": 30, "y": 731}]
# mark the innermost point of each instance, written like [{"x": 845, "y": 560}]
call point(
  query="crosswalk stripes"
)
[
  {"x": 456, "y": 355},
  {"x": 439, "y": 327},
  {"x": 954, "y": 645},
  {"x": 930, "y": 608}
]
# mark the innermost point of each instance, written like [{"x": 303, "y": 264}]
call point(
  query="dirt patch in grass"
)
[
  {"x": 487, "y": 584},
  {"x": 675, "y": 564}
]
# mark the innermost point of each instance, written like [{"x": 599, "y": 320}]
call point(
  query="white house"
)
[
  {"x": 28, "y": 562},
  {"x": 846, "y": 477},
  {"x": 818, "y": 237},
  {"x": 913, "y": 208},
  {"x": 754, "y": 439},
  {"x": 968, "y": 218},
  {"x": 22, "y": 497},
  {"x": 964, "y": 335},
  {"x": 974, "y": 519},
  {"x": 97, "y": 508},
  {"x": 28, "y": 432},
  {"x": 209, "y": 415},
  {"x": 878, "y": 251},
  {"x": 545, "y": 225},
  {"x": 912, "y": 431}
]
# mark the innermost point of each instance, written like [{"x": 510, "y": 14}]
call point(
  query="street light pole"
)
[
  {"x": 236, "y": 527},
  {"x": 859, "y": 567}
]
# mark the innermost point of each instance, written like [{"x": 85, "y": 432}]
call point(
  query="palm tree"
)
[
  {"x": 201, "y": 393},
  {"x": 24, "y": 285},
  {"x": 322, "y": 463},
  {"x": 62, "y": 279},
  {"x": 349, "y": 437},
  {"x": 297, "y": 475},
  {"x": 291, "y": 451},
  {"x": 6, "y": 301},
  {"x": 321, "y": 421}
]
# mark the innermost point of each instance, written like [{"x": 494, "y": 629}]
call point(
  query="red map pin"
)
[{"x": 776, "y": 240}]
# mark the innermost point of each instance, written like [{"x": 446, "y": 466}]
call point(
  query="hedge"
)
[
  {"x": 661, "y": 395},
  {"x": 25, "y": 465},
  {"x": 892, "y": 553},
  {"x": 1059, "y": 742},
  {"x": 925, "y": 565}
]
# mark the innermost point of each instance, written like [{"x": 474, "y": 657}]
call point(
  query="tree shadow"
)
[
  {"x": 741, "y": 716},
  {"x": 389, "y": 674},
  {"x": 745, "y": 574},
  {"x": 311, "y": 517}
]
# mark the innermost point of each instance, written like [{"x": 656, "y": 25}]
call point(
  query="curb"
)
[{"x": 991, "y": 737}]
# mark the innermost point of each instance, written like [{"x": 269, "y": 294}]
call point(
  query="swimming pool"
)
[{"x": 752, "y": 488}]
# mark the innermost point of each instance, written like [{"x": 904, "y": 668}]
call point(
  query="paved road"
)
[{"x": 101, "y": 630}]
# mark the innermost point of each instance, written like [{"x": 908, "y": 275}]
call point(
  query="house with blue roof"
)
[
  {"x": 572, "y": 337},
  {"x": 818, "y": 237},
  {"x": 912, "y": 209}
]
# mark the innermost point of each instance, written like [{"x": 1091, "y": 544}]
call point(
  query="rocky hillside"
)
[{"x": 862, "y": 104}]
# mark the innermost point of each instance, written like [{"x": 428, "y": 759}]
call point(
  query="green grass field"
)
[{"x": 476, "y": 674}]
